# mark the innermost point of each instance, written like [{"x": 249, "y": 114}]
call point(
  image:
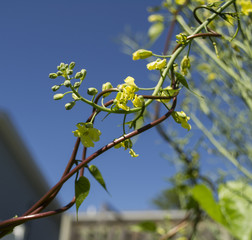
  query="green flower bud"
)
[
  {"x": 92, "y": 91},
  {"x": 71, "y": 65},
  {"x": 55, "y": 87},
  {"x": 61, "y": 66},
  {"x": 78, "y": 75},
  {"x": 69, "y": 71},
  {"x": 70, "y": 105},
  {"x": 141, "y": 54},
  {"x": 74, "y": 96},
  {"x": 77, "y": 84},
  {"x": 106, "y": 86},
  {"x": 182, "y": 38},
  {"x": 58, "y": 96},
  {"x": 53, "y": 75},
  {"x": 185, "y": 65},
  {"x": 84, "y": 73},
  {"x": 59, "y": 73},
  {"x": 67, "y": 83}
]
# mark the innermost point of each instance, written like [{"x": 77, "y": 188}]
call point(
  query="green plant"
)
[{"x": 130, "y": 100}]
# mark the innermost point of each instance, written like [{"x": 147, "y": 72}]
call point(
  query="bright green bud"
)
[
  {"x": 67, "y": 83},
  {"x": 59, "y": 73},
  {"x": 156, "y": 18},
  {"x": 69, "y": 106},
  {"x": 58, "y": 96},
  {"x": 77, "y": 84},
  {"x": 182, "y": 38},
  {"x": 84, "y": 73},
  {"x": 78, "y": 75},
  {"x": 53, "y": 75},
  {"x": 106, "y": 86},
  {"x": 141, "y": 54},
  {"x": 92, "y": 91},
  {"x": 71, "y": 65},
  {"x": 55, "y": 87},
  {"x": 75, "y": 97},
  {"x": 185, "y": 65},
  {"x": 69, "y": 71},
  {"x": 62, "y": 67}
]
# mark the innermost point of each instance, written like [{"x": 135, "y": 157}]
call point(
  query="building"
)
[
  {"x": 22, "y": 184},
  {"x": 111, "y": 225}
]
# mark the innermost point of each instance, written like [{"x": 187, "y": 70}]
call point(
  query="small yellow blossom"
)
[
  {"x": 127, "y": 144},
  {"x": 180, "y": 2},
  {"x": 141, "y": 54},
  {"x": 121, "y": 101},
  {"x": 246, "y": 6},
  {"x": 132, "y": 153},
  {"x": 87, "y": 134},
  {"x": 127, "y": 92},
  {"x": 130, "y": 81},
  {"x": 181, "y": 118},
  {"x": 157, "y": 65},
  {"x": 156, "y": 18},
  {"x": 138, "y": 101}
]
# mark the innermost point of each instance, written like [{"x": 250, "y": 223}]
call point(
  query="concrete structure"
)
[
  {"x": 22, "y": 184},
  {"x": 112, "y": 225},
  {"x": 109, "y": 225}
]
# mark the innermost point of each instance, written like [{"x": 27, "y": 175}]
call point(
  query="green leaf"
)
[
  {"x": 236, "y": 204},
  {"x": 183, "y": 81},
  {"x": 82, "y": 187},
  {"x": 97, "y": 175},
  {"x": 204, "y": 197},
  {"x": 146, "y": 226},
  {"x": 155, "y": 31}
]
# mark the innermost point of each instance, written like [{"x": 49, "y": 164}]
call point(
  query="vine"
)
[{"x": 129, "y": 99}]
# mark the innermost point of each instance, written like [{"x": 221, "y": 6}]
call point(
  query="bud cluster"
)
[{"x": 66, "y": 71}]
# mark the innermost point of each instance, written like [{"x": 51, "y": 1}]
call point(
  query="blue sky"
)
[{"x": 35, "y": 37}]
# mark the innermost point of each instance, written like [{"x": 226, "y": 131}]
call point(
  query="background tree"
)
[{"x": 219, "y": 104}]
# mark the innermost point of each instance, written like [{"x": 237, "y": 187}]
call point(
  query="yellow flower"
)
[
  {"x": 180, "y": 2},
  {"x": 141, "y": 54},
  {"x": 157, "y": 65},
  {"x": 181, "y": 118},
  {"x": 127, "y": 144},
  {"x": 127, "y": 92},
  {"x": 130, "y": 81},
  {"x": 138, "y": 101},
  {"x": 151, "y": 66},
  {"x": 246, "y": 6},
  {"x": 87, "y": 134},
  {"x": 132, "y": 153},
  {"x": 121, "y": 101}
]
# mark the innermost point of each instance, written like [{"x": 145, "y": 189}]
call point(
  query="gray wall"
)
[{"x": 22, "y": 184}]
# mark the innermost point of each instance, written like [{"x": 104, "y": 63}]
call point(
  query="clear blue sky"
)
[{"x": 35, "y": 37}]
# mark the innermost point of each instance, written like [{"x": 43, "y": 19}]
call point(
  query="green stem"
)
[
  {"x": 161, "y": 56},
  {"x": 220, "y": 148},
  {"x": 243, "y": 86},
  {"x": 180, "y": 48}
]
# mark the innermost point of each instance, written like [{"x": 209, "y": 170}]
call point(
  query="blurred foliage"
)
[{"x": 217, "y": 154}]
